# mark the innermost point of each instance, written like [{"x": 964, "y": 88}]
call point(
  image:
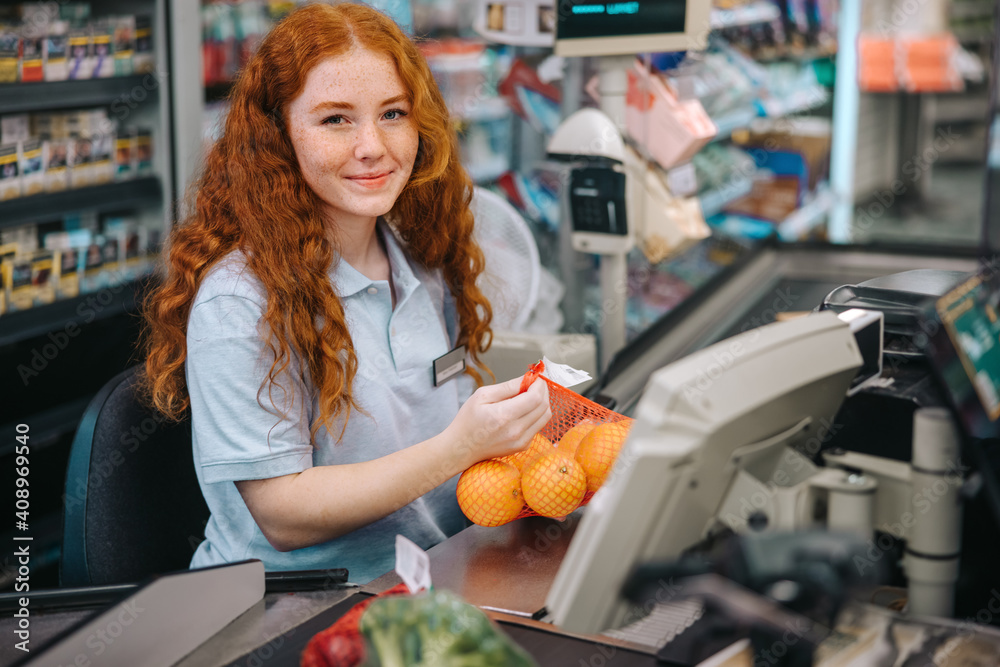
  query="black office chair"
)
[{"x": 133, "y": 507}]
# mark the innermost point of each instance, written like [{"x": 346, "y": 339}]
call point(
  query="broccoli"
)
[{"x": 435, "y": 629}]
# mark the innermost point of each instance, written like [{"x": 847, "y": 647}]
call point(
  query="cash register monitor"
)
[
  {"x": 699, "y": 420},
  {"x": 963, "y": 347},
  {"x": 599, "y": 28}
]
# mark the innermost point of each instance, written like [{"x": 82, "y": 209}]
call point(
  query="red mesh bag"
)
[
  {"x": 560, "y": 470},
  {"x": 341, "y": 644}
]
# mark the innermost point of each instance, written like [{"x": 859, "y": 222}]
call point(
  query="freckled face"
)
[{"x": 353, "y": 135}]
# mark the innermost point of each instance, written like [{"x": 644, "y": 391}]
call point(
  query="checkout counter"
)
[{"x": 508, "y": 571}]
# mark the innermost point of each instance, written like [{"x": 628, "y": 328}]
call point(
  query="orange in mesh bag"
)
[{"x": 559, "y": 470}]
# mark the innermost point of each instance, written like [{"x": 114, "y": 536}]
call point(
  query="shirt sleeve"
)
[{"x": 238, "y": 433}]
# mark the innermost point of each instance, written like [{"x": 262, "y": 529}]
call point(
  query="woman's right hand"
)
[{"x": 497, "y": 421}]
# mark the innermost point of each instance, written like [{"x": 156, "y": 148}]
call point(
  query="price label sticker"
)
[{"x": 682, "y": 180}]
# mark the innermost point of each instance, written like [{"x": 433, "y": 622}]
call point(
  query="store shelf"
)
[
  {"x": 49, "y": 95},
  {"x": 801, "y": 221},
  {"x": 755, "y": 12},
  {"x": 741, "y": 227},
  {"x": 733, "y": 121},
  {"x": 798, "y": 102},
  {"x": 82, "y": 310},
  {"x": 806, "y": 218},
  {"x": 109, "y": 197},
  {"x": 805, "y": 56},
  {"x": 714, "y": 201}
]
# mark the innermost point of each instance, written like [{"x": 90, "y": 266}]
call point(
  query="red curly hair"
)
[{"x": 252, "y": 197}]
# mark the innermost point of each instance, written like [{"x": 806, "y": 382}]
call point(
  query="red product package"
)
[
  {"x": 521, "y": 75},
  {"x": 560, "y": 469},
  {"x": 341, "y": 644}
]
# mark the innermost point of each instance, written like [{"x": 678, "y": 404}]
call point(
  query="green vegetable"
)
[{"x": 435, "y": 629}]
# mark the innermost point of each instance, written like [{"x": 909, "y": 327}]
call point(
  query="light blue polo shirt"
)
[{"x": 235, "y": 438}]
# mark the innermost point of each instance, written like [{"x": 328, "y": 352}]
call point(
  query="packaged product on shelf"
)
[
  {"x": 81, "y": 54},
  {"x": 135, "y": 253},
  {"x": 80, "y": 161},
  {"x": 21, "y": 295},
  {"x": 39, "y": 13},
  {"x": 151, "y": 238},
  {"x": 144, "y": 153},
  {"x": 68, "y": 285},
  {"x": 99, "y": 123},
  {"x": 32, "y": 49},
  {"x": 56, "y": 51},
  {"x": 791, "y": 146},
  {"x": 530, "y": 98},
  {"x": 15, "y": 128},
  {"x": 24, "y": 238},
  {"x": 32, "y": 170},
  {"x": 66, "y": 260},
  {"x": 927, "y": 63},
  {"x": 104, "y": 57},
  {"x": 773, "y": 198},
  {"x": 49, "y": 125},
  {"x": 10, "y": 179},
  {"x": 677, "y": 226},
  {"x": 60, "y": 125},
  {"x": 40, "y": 125},
  {"x": 126, "y": 152},
  {"x": 125, "y": 232},
  {"x": 42, "y": 278},
  {"x": 74, "y": 12},
  {"x": 142, "y": 57},
  {"x": 458, "y": 67},
  {"x": 10, "y": 53},
  {"x": 667, "y": 128},
  {"x": 485, "y": 149},
  {"x": 80, "y": 124},
  {"x": 251, "y": 26},
  {"x": 7, "y": 252},
  {"x": 113, "y": 252},
  {"x": 219, "y": 44},
  {"x": 102, "y": 166},
  {"x": 124, "y": 44},
  {"x": 55, "y": 164},
  {"x": 92, "y": 279}
]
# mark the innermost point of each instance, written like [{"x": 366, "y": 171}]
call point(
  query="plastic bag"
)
[{"x": 560, "y": 470}]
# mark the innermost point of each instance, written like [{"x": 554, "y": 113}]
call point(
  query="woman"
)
[{"x": 329, "y": 261}]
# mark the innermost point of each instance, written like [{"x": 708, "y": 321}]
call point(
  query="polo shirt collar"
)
[{"x": 348, "y": 281}]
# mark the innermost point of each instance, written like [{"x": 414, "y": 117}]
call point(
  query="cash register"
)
[{"x": 765, "y": 432}]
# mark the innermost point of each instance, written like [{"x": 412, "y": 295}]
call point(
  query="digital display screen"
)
[
  {"x": 964, "y": 348},
  {"x": 590, "y": 18}
]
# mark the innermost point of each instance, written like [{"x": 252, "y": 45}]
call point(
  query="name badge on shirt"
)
[{"x": 448, "y": 366}]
